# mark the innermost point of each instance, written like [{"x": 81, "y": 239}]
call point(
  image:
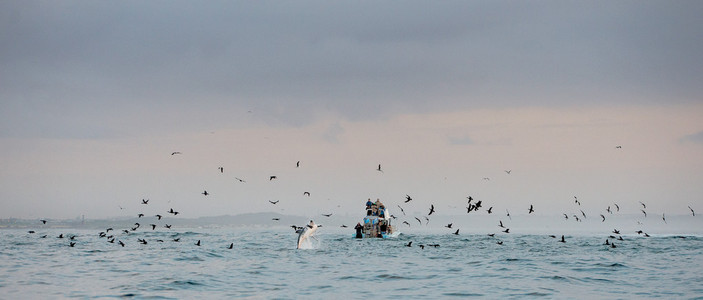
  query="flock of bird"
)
[{"x": 472, "y": 207}]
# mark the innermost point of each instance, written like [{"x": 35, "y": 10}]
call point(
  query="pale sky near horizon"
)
[{"x": 95, "y": 96}]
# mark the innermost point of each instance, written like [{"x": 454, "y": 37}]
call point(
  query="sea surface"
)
[{"x": 264, "y": 264}]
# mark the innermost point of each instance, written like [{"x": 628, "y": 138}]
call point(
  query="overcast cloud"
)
[{"x": 91, "y": 69}]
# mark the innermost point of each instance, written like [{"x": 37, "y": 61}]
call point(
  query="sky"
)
[{"x": 445, "y": 96}]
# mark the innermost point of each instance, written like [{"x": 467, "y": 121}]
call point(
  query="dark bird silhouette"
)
[
  {"x": 272, "y": 177},
  {"x": 566, "y": 216},
  {"x": 73, "y": 237},
  {"x": 240, "y": 180},
  {"x": 159, "y": 216},
  {"x": 449, "y": 225},
  {"x": 693, "y": 213},
  {"x": 408, "y": 198},
  {"x": 470, "y": 199},
  {"x": 142, "y": 241},
  {"x": 646, "y": 234},
  {"x": 222, "y": 170},
  {"x": 431, "y": 209},
  {"x": 643, "y": 206},
  {"x": 306, "y": 194},
  {"x": 327, "y": 215},
  {"x": 297, "y": 164},
  {"x": 608, "y": 210},
  {"x": 60, "y": 236},
  {"x": 153, "y": 226},
  {"x": 508, "y": 171},
  {"x": 276, "y": 219},
  {"x": 72, "y": 244},
  {"x": 486, "y": 178},
  {"x": 508, "y": 214},
  {"x": 140, "y": 215},
  {"x": 121, "y": 243},
  {"x": 612, "y": 245},
  {"x": 137, "y": 224},
  {"x": 418, "y": 220},
  {"x": 576, "y": 200},
  {"x": 44, "y": 221},
  {"x": 618, "y": 147},
  {"x": 31, "y": 231},
  {"x": 602, "y": 216},
  {"x": 177, "y": 240},
  {"x": 531, "y": 210},
  {"x": 664, "y": 218},
  {"x": 617, "y": 207},
  {"x": 552, "y": 236},
  {"x": 491, "y": 234},
  {"x": 167, "y": 226},
  {"x": 490, "y": 210},
  {"x": 145, "y": 201},
  {"x": 615, "y": 231},
  {"x": 410, "y": 244},
  {"x": 500, "y": 224},
  {"x": 343, "y": 226},
  {"x": 231, "y": 246},
  {"x": 644, "y": 212},
  {"x": 108, "y": 230},
  {"x": 406, "y": 223},
  {"x": 274, "y": 202},
  {"x": 421, "y": 246},
  {"x": 379, "y": 168},
  {"x": 198, "y": 243},
  {"x": 606, "y": 242},
  {"x": 562, "y": 239},
  {"x": 428, "y": 220},
  {"x": 499, "y": 242},
  {"x": 174, "y": 153},
  {"x": 205, "y": 193},
  {"x": 456, "y": 232},
  {"x": 401, "y": 210},
  {"x": 507, "y": 230},
  {"x": 583, "y": 214}
]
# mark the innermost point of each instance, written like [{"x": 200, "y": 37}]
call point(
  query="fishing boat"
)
[{"x": 378, "y": 222}]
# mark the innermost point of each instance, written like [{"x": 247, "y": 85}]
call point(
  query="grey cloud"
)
[{"x": 361, "y": 60}]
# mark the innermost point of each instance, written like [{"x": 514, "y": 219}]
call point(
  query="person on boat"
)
[
  {"x": 358, "y": 230},
  {"x": 368, "y": 204},
  {"x": 381, "y": 211}
]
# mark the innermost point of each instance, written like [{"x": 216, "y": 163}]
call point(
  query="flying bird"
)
[
  {"x": 576, "y": 200},
  {"x": 508, "y": 171},
  {"x": 507, "y": 230},
  {"x": 140, "y": 215},
  {"x": 275, "y": 219},
  {"x": 231, "y": 246},
  {"x": 274, "y": 202},
  {"x": 643, "y": 206},
  {"x": 174, "y": 153},
  {"x": 379, "y": 168},
  {"x": 222, "y": 169},
  {"x": 692, "y": 212},
  {"x": 205, "y": 193},
  {"x": 144, "y": 201},
  {"x": 489, "y": 210},
  {"x": 272, "y": 177},
  {"x": 531, "y": 210},
  {"x": 44, "y": 221},
  {"x": 566, "y": 216},
  {"x": 306, "y": 194},
  {"x": 410, "y": 244},
  {"x": 618, "y": 147},
  {"x": 159, "y": 216},
  {"x": 327, "y": 215},
  {"x": 408, "y": 198},
  {"x": 508, "y": 214},
  {"x": 500, "y": 224},
  {"x": 562, "y": 239},
  {"x": 644, "y": 212},
  {"x": 153, "y": 226},
  {"x": 406, "y": 223},
  {"x": 664, "y": 218},
  {"x": 431, "y": 209},
  {"x": 617, "y": 207},
  {"x": 401, "y": 210},
  {"x": 456, "y": 232},
  {"x": 583, "y": 213},
  {"x": 615, "y": 231},
  {"x": 602, "y": 216},
  {"x": 297, "y": 164},
  {"x": 240, "y": 180},
  {"x": 608, "y": 210},
  {"x": 449, "y": 225},
  {"x": 198, "y": 243},
  {"x": 418, "y": 220}
]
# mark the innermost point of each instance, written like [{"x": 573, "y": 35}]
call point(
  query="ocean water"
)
[{"x": 264, "y": 264}]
